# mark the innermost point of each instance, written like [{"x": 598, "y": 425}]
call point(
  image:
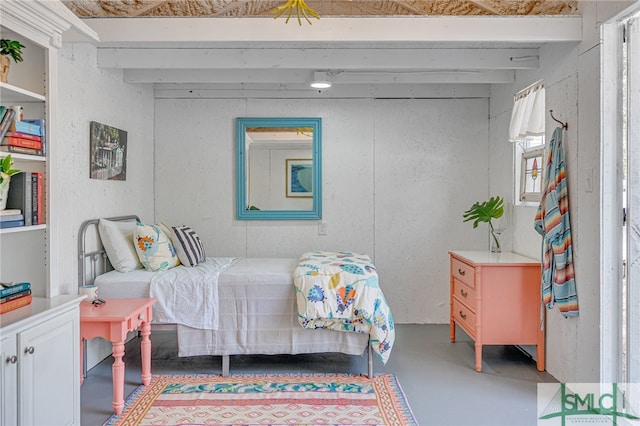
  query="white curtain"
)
[{"x": 527, "y": 117}]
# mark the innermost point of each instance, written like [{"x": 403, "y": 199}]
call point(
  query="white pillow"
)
[
  {"x": 188, "y": 245},
  {"x": 154, "y": 248},
  {"x": 117, "y": 239}
]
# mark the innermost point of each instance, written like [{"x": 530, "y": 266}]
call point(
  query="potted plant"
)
[
  {"x": 484, "y": 212},
  {"x": 6, "y": 171},
  {"x": 9, "y": 49}
]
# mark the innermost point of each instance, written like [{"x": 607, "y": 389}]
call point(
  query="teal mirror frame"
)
[{"x": 242, "y": 124}]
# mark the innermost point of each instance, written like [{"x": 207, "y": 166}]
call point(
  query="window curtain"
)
[{"x": 527, "y": 116}]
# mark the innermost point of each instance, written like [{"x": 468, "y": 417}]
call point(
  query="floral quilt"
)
[{"x": 340, "y": 291}]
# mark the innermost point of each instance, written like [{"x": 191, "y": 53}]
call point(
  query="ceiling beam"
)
[
  {"x": 304, "y": 76},
  {"x": 318, "y": 59},
  {"x": 520, "y": 29},
  {"x": 297, "y": 91}
]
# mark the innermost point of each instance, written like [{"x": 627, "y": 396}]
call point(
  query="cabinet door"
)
[
  {"x": 49, "y": 371},
  {"x": 8, "y": 381}
]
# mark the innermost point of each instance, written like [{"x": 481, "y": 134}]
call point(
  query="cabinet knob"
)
[
  {"x": 12, "y": 359},
  {"x": 463, "y": 293},
  {"x": 462, "y": 271},
  {"x": 463, "y": 315},
  {"x": 29, "y": 350}
]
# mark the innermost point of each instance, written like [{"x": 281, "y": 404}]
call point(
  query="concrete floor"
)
[{"x": 437, "y": 376}]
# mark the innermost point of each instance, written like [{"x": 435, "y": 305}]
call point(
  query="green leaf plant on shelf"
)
[
  {"x": 9, "y": 49},
  {"x": 6, "y": 171},
  {"x": 485, "y": 212}
]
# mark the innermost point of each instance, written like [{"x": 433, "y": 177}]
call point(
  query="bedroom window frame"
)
[{"x": 526, "y": 149}]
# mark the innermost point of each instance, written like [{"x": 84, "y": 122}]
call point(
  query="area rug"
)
[{"x": 267, "y": 400}]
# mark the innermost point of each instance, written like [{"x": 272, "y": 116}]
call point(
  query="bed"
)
[{"x": 255, "y": 309}]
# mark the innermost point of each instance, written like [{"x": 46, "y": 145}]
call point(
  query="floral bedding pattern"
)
[{"x": 340, "y": 291}]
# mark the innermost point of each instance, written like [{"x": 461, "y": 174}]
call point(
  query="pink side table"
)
[{"x": 112, "y": 321}]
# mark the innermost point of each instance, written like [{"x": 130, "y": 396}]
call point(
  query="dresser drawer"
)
[
  {"x": 464, "y": 293},
  {"x": 465, "y": 317},
  {"x": 463, "y": 272}
]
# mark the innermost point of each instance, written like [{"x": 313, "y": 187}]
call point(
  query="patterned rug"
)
[{"x": 267, "y": 400}]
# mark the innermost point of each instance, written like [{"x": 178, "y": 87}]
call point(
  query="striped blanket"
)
[{"x": 340, "y": 291}]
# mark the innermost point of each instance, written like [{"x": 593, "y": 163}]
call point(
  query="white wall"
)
[
  {"x": 397, "y": 175},
  {"x": 572, "y": 81},
  {"x": 91, "y": 94}
]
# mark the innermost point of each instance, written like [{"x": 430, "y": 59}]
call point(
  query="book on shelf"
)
[
  {"x": 10, "y": 297},
  {"x": 24, "y": 136},
  {"x": 7, "y": 289},
  {"x": 15, "y": 304},
  {"x": 6, "y": 122},
  {"x": 43, "y": 131},
  {"x": 20, "y": 195},
  {"x": 26, "y": 143},
  {"x": 5, "y": 224},
  {"x": 10, "y": 217},
  {"x": 8, "y": 212},
  {"x": 22, "y": 150},
  {"x": 25, "y": 127},
  {"x": 36, "y": 198},
  {"x": 3, "y": 111}
]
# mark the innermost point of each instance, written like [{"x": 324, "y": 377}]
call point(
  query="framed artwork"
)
[
  {"x": 108, "y": 152},
  {"x": 299, "y": 174}
]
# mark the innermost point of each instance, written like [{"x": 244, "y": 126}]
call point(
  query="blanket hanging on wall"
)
[{"x": 552, "y": 222}]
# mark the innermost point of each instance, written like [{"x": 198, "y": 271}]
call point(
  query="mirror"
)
[{"x": 278, "y": 168}]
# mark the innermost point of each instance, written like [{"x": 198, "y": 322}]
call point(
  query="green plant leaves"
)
[
  {"x": 6, "y": 165},
  {"x": 485, "y": 211},
  {"x": 11, "y": 48}
]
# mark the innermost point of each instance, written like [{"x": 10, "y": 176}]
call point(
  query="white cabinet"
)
[{"x": 41, "y": 363}]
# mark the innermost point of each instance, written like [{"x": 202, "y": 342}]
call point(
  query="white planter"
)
[{"x": 4, "y": 192}]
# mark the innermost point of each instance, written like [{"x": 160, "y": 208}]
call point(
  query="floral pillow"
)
[{"x": 154, "y": 248}]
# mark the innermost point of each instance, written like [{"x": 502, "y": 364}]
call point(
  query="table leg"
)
[
  {"x": 145, "y": 352},
  {"x": 478, "y": 356},
  {"x": 117, "y": 370},
  {"x": 81, "y": 360}
]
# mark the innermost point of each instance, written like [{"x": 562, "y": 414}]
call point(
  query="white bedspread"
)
[{"x": 189, "y": 295}]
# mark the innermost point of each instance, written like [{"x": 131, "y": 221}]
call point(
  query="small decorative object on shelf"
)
[
  {"x": 6, "y": 171},
  {"x": 9, "y": 48},
  {"x": 484, "y": 212}
]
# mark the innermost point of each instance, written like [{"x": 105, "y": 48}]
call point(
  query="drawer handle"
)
[
  {"x": 463, "y": 315},
  {"x": 462, "y": 271},
  {"x": 29, "y": 350},
  {"x": 463, "y": 293},
  {"x": 12, "y": 359}
]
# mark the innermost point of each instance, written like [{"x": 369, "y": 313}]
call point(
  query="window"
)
[
  {"x": 526, "y": 131},
  {"x": 529, "y": 166}
]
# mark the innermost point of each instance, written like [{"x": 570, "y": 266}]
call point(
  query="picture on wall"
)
[
  {"x": 108, "y": 152},
  {"x": 299, "y": 174}
]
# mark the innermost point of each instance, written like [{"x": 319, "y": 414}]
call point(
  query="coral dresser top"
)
[{"x": 489, "y": 258}]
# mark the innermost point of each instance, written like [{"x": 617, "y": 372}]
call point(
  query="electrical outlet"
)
[{"x": 322, "y": 228}]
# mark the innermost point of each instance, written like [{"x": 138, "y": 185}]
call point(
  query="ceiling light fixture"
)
[
  {"x": 299, "y": 6},
  {"x": 320, "y": 80}
]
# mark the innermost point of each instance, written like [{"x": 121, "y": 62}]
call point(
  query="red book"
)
[
  {"x": 24, "y": 136},
  {"x": 15, "y": 304},
  {"x": 25, "y": 143}
]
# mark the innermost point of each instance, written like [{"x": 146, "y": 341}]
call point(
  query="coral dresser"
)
[{"x": 495, "y": 299}]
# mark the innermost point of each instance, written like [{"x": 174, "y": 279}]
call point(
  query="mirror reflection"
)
[{"x": 278, "y": 168}]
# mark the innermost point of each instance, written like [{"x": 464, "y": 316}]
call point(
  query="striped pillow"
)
[{"x": 188, "y": 245}]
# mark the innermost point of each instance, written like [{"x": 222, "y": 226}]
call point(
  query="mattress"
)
[{"x": 257, "y": 315}]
